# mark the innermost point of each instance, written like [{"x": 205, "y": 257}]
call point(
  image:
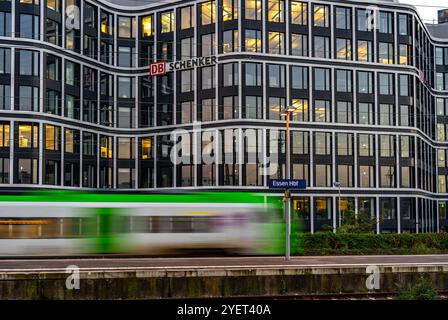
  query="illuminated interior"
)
[
  {"x": 51, "y": 137},
  {"x": 299, "y": 12},
  {"x": 25, "y": 136},
  {"x": 146, "y": 148},
  {"x": 253, "y": 9},
  {"x": 208, "y": 11},
  {"x": 50, "y": 4},
  {"x": 363, "y": 51},
  {"x": 253, "y": 44},
  {"x": 69, "y": 140},
  {"x": 275, "y": 11},
  {"x": 147, "y": 26},
  {"x": 276, "y": 40},
  {"x": 106, "y": 147},
  {"x": 229, "y": 11},
  {"x": 4, "y": 135},
  {"x": 167, "y": 21},
  {"x": 320, "y": 16}
]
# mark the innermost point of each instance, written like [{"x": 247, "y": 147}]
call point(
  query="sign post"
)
[{"x": 287, "y": 185}]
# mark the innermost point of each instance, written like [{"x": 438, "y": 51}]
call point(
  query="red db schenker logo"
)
[{"x": 157, "y": 69}]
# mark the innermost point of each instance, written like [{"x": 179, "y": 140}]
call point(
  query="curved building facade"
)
[{"x": 189, "y": 95}]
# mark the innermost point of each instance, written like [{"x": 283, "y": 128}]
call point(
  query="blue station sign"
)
[{"x": 287, "y": 184}]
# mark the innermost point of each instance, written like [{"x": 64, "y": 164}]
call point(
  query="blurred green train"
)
[{"x": 64, "y": 223}]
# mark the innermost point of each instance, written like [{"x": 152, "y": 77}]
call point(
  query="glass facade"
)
[{"x": 100, "y": 120}]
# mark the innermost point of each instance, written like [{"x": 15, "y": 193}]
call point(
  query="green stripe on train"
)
[{"x": 81, "y": 196}]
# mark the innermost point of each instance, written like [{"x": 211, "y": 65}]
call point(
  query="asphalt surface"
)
[{"x": 110, "y": 263}]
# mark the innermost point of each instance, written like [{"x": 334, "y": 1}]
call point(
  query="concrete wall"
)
[{"x": 199, "y": 283}]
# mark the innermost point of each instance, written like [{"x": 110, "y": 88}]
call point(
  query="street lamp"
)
[
  {"x": 338, "y": 185},
  {"x": 286, "y": 113}
]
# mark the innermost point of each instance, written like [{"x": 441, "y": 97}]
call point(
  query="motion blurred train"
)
[{"x": 67, "y": 223}]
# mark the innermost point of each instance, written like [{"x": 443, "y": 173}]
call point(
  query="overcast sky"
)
[{"x": 428, "y": 8}]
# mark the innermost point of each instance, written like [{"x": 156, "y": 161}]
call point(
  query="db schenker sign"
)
[{"x": 160, "y": 68}]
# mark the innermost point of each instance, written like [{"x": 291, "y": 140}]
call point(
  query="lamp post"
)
[
  {"x": 287, "y": 199},
  {"x": 338, "y": 184}
]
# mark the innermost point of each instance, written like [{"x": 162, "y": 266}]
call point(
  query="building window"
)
[
  {"x": 366, "y": 176},
  {"x": 72, "y": 75},
  {"x": 29, "y": 63},
  {"x": 364, "y": 52},
  {"x": 366, "y": 145},
  {"x": 29, "y": 26},
  {"x": 386, "y": 83},
  {"x": 208, "y": 45},
  {"x": 345, "y": 176},
  {"x": 387, "y": 176},
  {"x": 28, "y": 135},
  {"x": 147, "y": 26},
  {"x": 52, "y": 102},
  {"x": 405, "y": 146},
  {"x": 321, "y": 16},
  {"x": 229, "y": 10},
  {"x": 229, "y": 108},
  {"x": 385, "y": 53},
  {"x": 4, "y": 135},
  {"x": 207, "y": 112},
  {"x": 146, "y": 148},
  {"x": 167, "y": 21},
  {"x": 253, "y": 9},
  {"x": 52, "y": 32},
  {"x": 344, "y": 112},
  {"x": 301, "y": 110},
  {"x": 344, "y": 144},
  {"x": 323, "y": 175},
  {"x": 364, "y": 19},
  {"x": 208, "y": 77},
  {"x": 277, "y": 42},
  {"x": 387, "y": 146},
  {"x": 343, "y": 49},
  {"x": 208, "y": 12},
  {"x": 126, "y": 148},
  {"x": 229, "y": 41},
  {"x": 69, "y": 142},
  {"x": 253, "y": 41},
  {"x": 253, "y": 74},
  {"x": 299, "y": 13},
  {"x": 126, "y": 27},
  {"x": 230, "y": 74},
  {"x": 5, "y": 97},
  {"x": 106, "y": 146},
  {"x": 5, "y": 61},
  {"x": 322, "y": 111},
  {"x": 387, "y": 115},
  {"x": 321, "y": 79},
  {"x": 187, "y": 17},
  {"x": 299, "y": 79},
  {"x": 276, "y": 11},
  {"x": 126, "y": 87},
  {"x": 187, "y": 80},
  {"x": 385, "y": 22},
  {"x": 4, "y": 170},
  {"x": 52, "y": 137},
  {"x": 53, "y": 67},
  {"x": 27, "y": 171},
  {"x": 321, "y": 47},
  {"x": 107, "y": 23},
  {"x": 5, "y": 24},
  {"x": 343, "y": 18},
  {"x": 343, "y": 81},
  {"x": 405, "y": 85},
  {"x": 276, "y": 75},
  {"x": 276, "y": 106},
  {"x": 404, "y": 52},
  {"x": 28, "y": 98},
  {"x": 126, "y": 56},
  {"x": 253, "y": 108},
  {"x": 403, "y": 25},
  {"x": 90, "y": 46},
  {"x": 365, "y": 82},
  {"x": 365, "y": 113},
  {"x": 299, "y": 44}
]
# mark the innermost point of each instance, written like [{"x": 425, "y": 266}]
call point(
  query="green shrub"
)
[
  {"x": 423, "y": 289},
  {"x": 326, "y": 243}
]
